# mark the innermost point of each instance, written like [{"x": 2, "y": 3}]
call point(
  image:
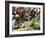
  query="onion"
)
[{"x": 17, "y": 16}]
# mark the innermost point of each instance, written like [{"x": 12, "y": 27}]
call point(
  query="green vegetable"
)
[{"x": 36, "y": 23}]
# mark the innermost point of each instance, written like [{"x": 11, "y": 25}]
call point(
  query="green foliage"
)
[{"x": 36, "y": 23}]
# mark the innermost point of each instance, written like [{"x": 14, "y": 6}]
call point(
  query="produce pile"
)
[{"x": 26, "y": 19}]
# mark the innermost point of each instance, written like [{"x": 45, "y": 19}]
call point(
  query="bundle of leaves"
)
[{"x": 36, "y": 23}]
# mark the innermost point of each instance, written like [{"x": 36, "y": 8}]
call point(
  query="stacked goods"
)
[{"x": 26, "y": 18}]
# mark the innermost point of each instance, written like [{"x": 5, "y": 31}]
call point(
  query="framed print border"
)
[{"x": 7, "y": 18}]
